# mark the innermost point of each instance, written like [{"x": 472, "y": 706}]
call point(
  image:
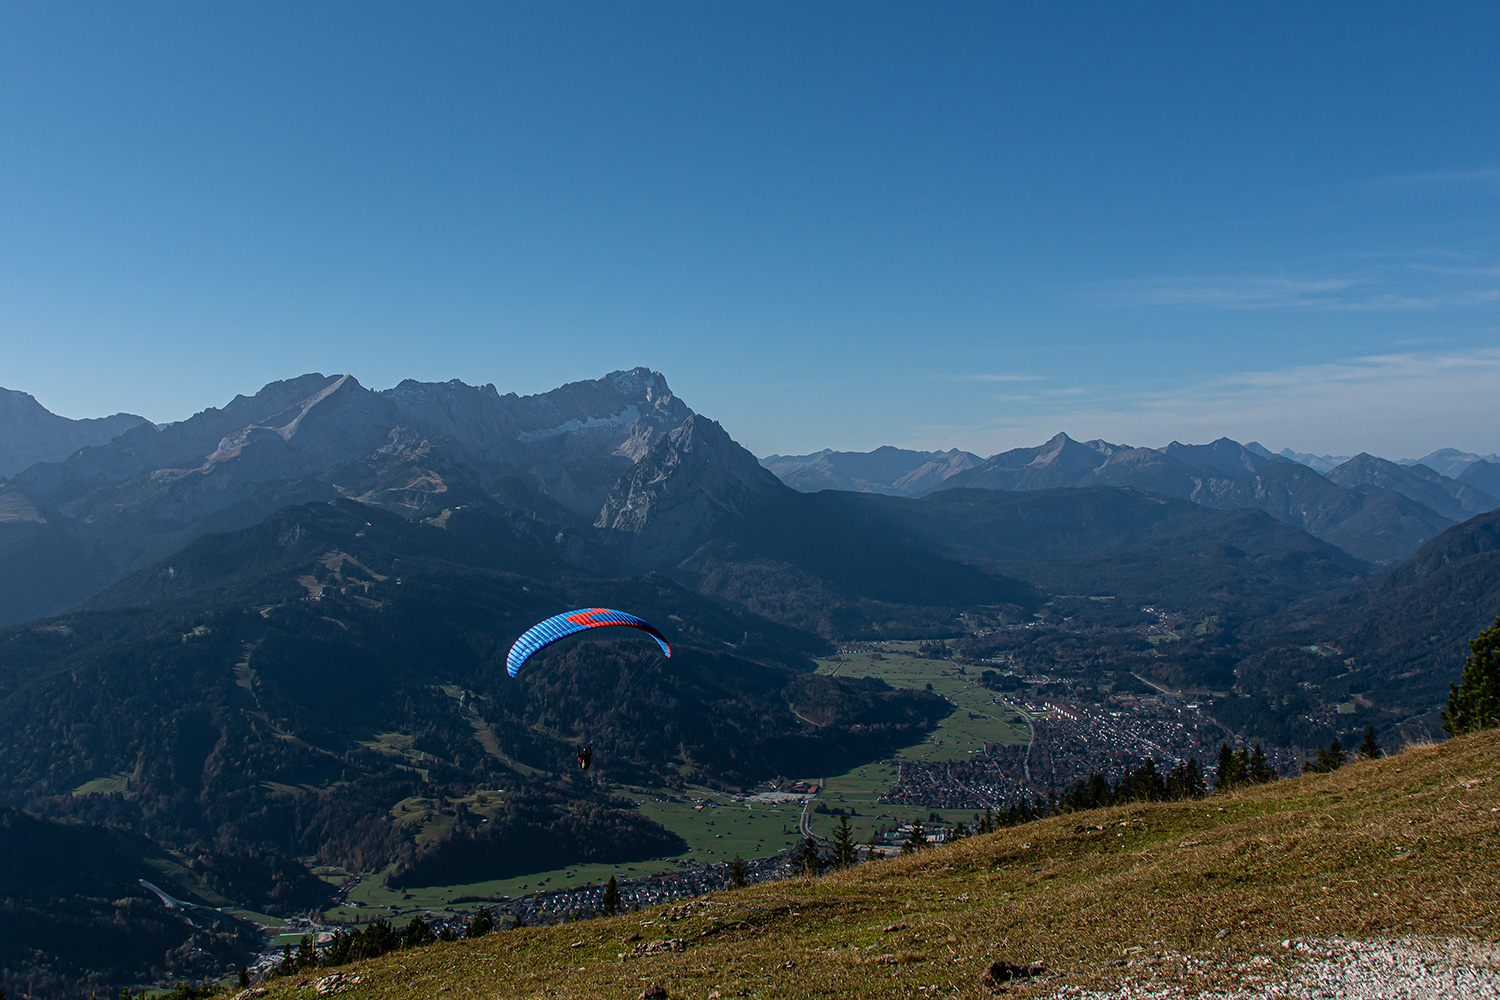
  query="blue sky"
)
[{"x": 830, "y": 225}]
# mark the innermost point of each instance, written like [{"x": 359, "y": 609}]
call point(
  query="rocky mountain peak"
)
[{"x": 689, "y": 482}]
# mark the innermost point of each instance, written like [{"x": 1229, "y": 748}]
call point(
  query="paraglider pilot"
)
[{"x": 585, "y": 757}]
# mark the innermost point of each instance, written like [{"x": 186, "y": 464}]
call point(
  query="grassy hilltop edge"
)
[{"x": 1199, "y": 894}]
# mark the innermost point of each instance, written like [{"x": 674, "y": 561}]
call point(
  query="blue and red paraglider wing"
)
[{"x": 545, "y": 633}]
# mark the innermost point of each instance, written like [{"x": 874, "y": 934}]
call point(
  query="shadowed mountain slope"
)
[
  {"x": 1451, "y": 498},
  {"x": 283, "y": 687},
  {"x": 75, "y": 918},
  {"x": 700, "y": 507},
  {"x": 1368, "y": 521},
  {"x": 1137, "y": 546},
  {"x": 1401, "y": 637},
  {"x": 31, "y": 433}
]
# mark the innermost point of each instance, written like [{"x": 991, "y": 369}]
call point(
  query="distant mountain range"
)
[
  {"x": 30, "y": 433},
  {"x": 1374, "y": 509}
]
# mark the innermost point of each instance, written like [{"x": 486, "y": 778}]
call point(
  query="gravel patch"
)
[{"x": 1335, "y": 969}]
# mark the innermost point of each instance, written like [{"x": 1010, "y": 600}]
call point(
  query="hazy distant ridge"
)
[
  {"x": 31, "y": 433},
  {"x": 1372, "y": 508}
]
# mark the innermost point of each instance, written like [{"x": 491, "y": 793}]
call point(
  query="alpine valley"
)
[{"x": 256, "y": 658}]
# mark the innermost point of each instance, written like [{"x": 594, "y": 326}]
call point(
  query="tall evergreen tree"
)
[
  {"x": 482, "y": 924},
  {"x": 416, "y": 933},
  {"x": 1368, "y": 748},
  {"x": 1186, "y": 781},
  {"x": 844, "y": 854},
  {"x": 1260, "y": 770},
  {"x": 738, "y": 870},
  {"x": 306, "y": 958},
  {"x": 1330, "y": 758},
  {"x": 806, "y": 858},
  {"x": 1227, "y": 775},
  {"x": 916, "y": 839},
  {"x": 1474, "y": 702},
  {"x": 609, "y": 900}
]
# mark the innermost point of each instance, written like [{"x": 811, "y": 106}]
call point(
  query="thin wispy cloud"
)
[
  {"x": 1225, "y": 292},
  {"x": 1480, "y": 175},
  {"x": 986, "y": 377},
  {"x": 1429, "y": 282},
  {"x": 1397, "y": 404}
]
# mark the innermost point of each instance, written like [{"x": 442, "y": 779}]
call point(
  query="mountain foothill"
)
[{"x": 250, "y": 635}]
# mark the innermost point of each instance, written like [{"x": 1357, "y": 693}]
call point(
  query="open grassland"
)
[
  {"x": 1409, "y": 845},
  {"x": 718, "y": 832},
  {"x": 976, "y": 719}
]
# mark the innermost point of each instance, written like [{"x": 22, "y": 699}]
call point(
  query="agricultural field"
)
[{"x": 976, "y": 720}]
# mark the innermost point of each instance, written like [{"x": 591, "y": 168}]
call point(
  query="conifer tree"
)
[
  {"x": 306, "y": 959},
  {"x": 1368, "y": 748},
  {"x": 805, "y": 857},
  {"x": 916, "y": 840},
  {"x": 244, "y": 982},
  {"x": 1260, "y": 771},
  {"x": 1227, "y": 776},
  {"x": 959, "y": 832},
  {"x": 416, "y": 933},
  {"x": 482, "y": 924},
  {"x": 843, "y": 843},
  {"x": 1330, "y": 758},
  {"x": 1474, "y": 702},
  {"x": 737, "y": 872},
  {"x": 609, "y": 900}
]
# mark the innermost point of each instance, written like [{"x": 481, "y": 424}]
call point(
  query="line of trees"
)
[{"x": 380, "y": 937}]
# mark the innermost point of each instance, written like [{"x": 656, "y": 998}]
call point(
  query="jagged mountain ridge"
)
[
  {"x": 1371, "y": 523},
  {"x": 31, "y": 433},
  {"x": 1449, "y": 462},
  {"x": 418, "y": 448},
  {"x": 1375, "y": 516},
  {"x": 1451, "y": 498},
  {"x": 896, "y": 471}
]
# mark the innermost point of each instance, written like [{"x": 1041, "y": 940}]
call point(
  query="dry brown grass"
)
[{"x": 1409, "y": 845}]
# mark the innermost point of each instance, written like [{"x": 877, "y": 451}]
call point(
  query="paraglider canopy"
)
[{"x": 545, "y": 633}]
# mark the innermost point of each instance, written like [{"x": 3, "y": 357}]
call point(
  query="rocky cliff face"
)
[
  {"x": 30, "y": 433},
  {"x": 572, "y": 443},
  {"x": 418, "y": 449},
  {"x": 682, "y": 491}
]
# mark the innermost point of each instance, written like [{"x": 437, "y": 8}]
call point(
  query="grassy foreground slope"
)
[{"x": 1408, "y": 845}]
